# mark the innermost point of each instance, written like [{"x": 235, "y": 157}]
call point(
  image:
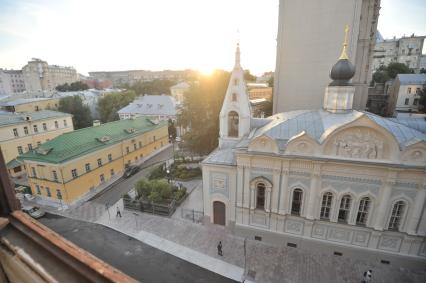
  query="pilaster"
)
[
  {"x": 417, "y": 210},
  {"x": 384, "y": 197},
  {"x": 275, "y": 192},
  {"x": 240, "y": 180},
  {"x": 313, "y": 191},
  {"x": 284, "y": 192}
]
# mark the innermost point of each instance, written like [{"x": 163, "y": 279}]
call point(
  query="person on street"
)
[
  {"x": 367, "y": 276},
  {"x": 219, "y": 249},
  {"x": 118, "y": 212}
]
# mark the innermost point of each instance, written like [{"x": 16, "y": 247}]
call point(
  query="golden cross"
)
[{"x": 344, "y": 55}]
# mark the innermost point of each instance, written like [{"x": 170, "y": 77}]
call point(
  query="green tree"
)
[
  {"x": 81, "y": 113},
  {"x": 389, "y": 72},
  {"x": 112, "y": 102},
  {"x": 200, "y": 112},
  {"x": 155, "y": 87},
  {"x": 249, "y": 77},
  {"x": 75, "y": 86},
  {"x": 271, "y": 81},
  {"x": 172, "y": 129},
  {"x": 422, "y": 100}
]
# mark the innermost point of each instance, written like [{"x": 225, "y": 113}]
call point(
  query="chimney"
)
[{"x": 96, "y": 123}]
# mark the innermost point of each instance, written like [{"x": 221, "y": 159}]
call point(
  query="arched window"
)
[
  {"x": 364, "y": 207},
  {"x": 397, "y": 213},
  {"x": 234, "y": 96},
  {"x": 296, "y": 204},
  {"x": 233, "y": 124},
  {"x": 327, "y": 198},
  {"x": 235, "y": 81},
  {"x": 260, "y": 196},
  {"x": 345, "y": 207}
]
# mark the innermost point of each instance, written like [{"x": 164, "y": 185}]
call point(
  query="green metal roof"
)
[{"x": 83, "y": 141}]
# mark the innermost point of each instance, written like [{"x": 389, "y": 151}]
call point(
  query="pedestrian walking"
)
[
  {"x": 219, "y": 249},
  {"x": 367, "y": 276},
  {"x": 118, "y": 212}
]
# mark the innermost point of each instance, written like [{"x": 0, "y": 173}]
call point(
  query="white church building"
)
[{"x": 334, "y": 175}]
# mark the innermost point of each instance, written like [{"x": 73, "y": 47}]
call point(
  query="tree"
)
[
  {"x": 172, "y": 129},
  {"x": 112, "y": 102},
  {"x": 422, "y": 100},
  {"x": 389, "y": 72},
  {"x": 249, "y": 77},
  {"x": 155, "y": 87},
  {"x": 200, "y": 112},
  {"x": 271, "y": 81},
  {"x": 81, "y": 113},
  {"x": 75, "y": 86},
  {"x": 422, "y": 71}
]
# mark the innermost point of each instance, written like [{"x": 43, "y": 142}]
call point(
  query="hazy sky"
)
[{"x": 96, "y": 35}]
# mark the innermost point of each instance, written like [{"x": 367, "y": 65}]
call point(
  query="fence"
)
[
  {"x": 192, "y": 215},
  {"x": 154, "y": 208}
]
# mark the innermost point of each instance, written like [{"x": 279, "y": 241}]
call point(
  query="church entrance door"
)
[{"x": 219, "y": 213}]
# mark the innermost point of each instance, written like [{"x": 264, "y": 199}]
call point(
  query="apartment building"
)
[
  {"x": 23, "y": 132},
  {"x": 69, "y": 166},
  {"x": 11, "y": 82},
  {"x": 404, "y": 95}
]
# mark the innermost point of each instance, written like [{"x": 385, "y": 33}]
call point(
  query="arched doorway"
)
[{"x": 219, "y": 213}]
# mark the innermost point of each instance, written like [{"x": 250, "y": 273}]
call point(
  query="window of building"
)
[
  {"x": 409, "y": 90},
  {"x": 48, "y": 192},
  {"x": 15, "y": 132},
  {"x": 140, "y": 144},
  {"x": 56, "y": 124},
  {"x": 87, "y": 167},
  {"x": 418, "y": 90},
  {"x": 296, "y": 204},
  {"x": 407, "y": 100},
  {"x": 65, "y": 123},
  {"x": 327, "y": 199},
  {"x": 416, "y": 101},
  {"x": 110, "y": 157},
  {"x": 38, "y": 143},
  {"x": 102, "y": 178},
  {"x": 26, "y": 130},
  {"x": 55, "y": 175},
  {"x": 112, "y": 172},
  {"x": 234, "y": 96},
  {"x": 38, "y": 189},
  {"x": 99, "y": 162},
  {"x": 260, "y": 196},
  {"x": 233, "y": 122},
  {"x": 35, "y": 128},
  {"x": 20, "y": 151},
  {"x": 235, "y": 81},
  {"x": 127, "y": 149},
  {"x": 74, "y": 173},
  {"x": 364, "y": 207},
  {"x": 44, "y": 127},
  {"x": 153, "y": 138},
  {"x": 134, "y": 146},
  {"x": 397, "y": 213},
  {"x": 30, "y": 146},
  {"x": 59, "y": 194},
  {"x": 345, "y": 206}
]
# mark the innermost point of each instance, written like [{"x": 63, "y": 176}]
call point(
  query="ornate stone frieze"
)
[
  {"x": 360, "y": 238},
  {"x": 294, "y": 226},
  {"x": 339, "y": 235},
  {"x": 219, "y": 183},
  {"x": 293, "y": 181},
  {"x": 407, "y": 192},
  {"x": 402, "y": 185},
  {"x": 390, "y": 243},
  {"x": 362, "y": 143},
  {"x": 300, "y": 174},
  {"x": 351, "y": 179}
]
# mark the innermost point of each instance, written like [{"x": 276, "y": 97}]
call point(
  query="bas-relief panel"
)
[
  {"x": 342, "y": 235},
  {"x": 219, "y": 184},
  {"x": 293, "y": 226},
  {"x": 390, "y": 243},
  {"x": 259, "y": 219},
  {"x": 339, "y": 235}
]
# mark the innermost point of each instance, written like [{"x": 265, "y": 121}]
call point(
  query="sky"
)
[{"x": 103, "y": 35}]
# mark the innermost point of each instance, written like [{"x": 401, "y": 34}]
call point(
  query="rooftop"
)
[
  {"x": 181, "y": 85},
  {"x": 151, "y": 105},
  {"x": 10, "y": 118},
  {"x": 406, "y": 79},
  {"x": 20, "y": 101},
  {"x": 74, "y": 144}
]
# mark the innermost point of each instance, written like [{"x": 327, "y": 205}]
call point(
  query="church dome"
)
[{"x": 342, "y": 72}]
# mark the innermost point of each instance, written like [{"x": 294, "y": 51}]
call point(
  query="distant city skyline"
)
[{"x": 164, "y": 34}]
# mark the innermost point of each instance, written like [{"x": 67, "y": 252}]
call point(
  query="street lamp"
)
[{"x": 168, "y": 175}]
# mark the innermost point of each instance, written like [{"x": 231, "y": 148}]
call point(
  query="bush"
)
[
  {"x": 154, "y": 190},
  {"x": 126, "y": 196},
  {"x": 158, "y": 172},
  {"x": 179, "y": 194}
]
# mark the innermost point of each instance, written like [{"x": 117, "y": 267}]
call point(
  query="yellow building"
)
[
  {"x": 72, "y": 164},
  {"x": 259, "y": 91},
  {"x": 30, "y": 104},
  {"x": 21, "y": 132}
]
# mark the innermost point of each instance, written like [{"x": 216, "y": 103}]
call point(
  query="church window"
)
[
  {"x": 260, "y": 196},
  {"x": 234, "y": 96},
  {"x": 327, "y": 198},
  {"x": 296, "y": 204},
  {"x": 364, "y": 207},
  {"x": 235, "y": 81},
  {"x": 397, "y": 212},
  {"x": 233, "y": 122},
  {"x": 345, "y": 206}
]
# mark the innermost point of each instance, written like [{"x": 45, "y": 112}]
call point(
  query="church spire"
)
[
  {"x": 237, "y": 56},
  {"x": 344, "y": 54}
]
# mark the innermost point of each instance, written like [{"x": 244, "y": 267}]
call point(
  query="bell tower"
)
[{"x": 235, "y": 114}]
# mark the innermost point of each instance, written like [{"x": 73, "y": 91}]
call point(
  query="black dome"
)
[{"x": 342, "y": 72}]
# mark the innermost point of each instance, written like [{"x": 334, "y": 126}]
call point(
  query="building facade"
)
[
  {"x": 178, "y": 91},
  {"x": 68, "y": 167},
  {"x": 404, "y": 95},
  {"x": 160, "y": 107},
  {"x": 259, "y": 91},
  {"x": 39, "y": 76},
  {"x": 406, "y": 50},
  {"x": 315, "y": 41},
  {"x": 334, "y": 175},
  {"x": 30, "y": 104},
  {"x": 23, "y": 132},
  {"x": 11, "y": 82}
]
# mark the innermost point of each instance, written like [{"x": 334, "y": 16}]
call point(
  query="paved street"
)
[{"x": 133, "y": 257}]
